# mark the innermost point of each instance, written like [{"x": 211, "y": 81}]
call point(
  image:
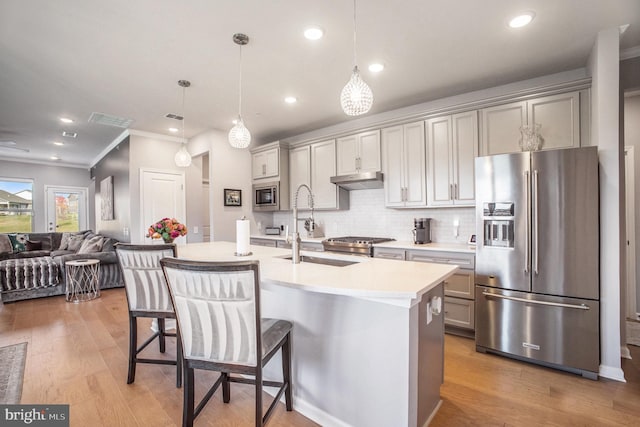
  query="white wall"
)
[
  {"x": 228, "y": 168},
  {"x": 604, "y": 68},
  {"x": 44, "y": 175},
  {"x": 368, "y": 217},
  {"x": 632, "y": 138}
]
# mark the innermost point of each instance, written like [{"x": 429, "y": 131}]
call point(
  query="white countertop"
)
[
  {"x": 443, "y": 247},
  {"x": 371, "y": 278}
]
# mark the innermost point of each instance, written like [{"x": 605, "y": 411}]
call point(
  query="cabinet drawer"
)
[
  {"x": 459, "y": 312},
  {"x": 397, "y": 254},
  {"x": 460, "y": 285},
  {"x": 283, "y": 244},
  {"x": 463, "y": 260},
  {"x": 263, "y": 242},
  {"x": 307, "y": 246}
]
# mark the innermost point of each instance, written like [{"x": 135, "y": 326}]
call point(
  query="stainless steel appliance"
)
[
  {"x": 353, "y": 245},
  {"x": 421, "y": 230},
  {"x": 537, "y": 272},
  {"x": 266, "y": 196},
  {"x": 359, "y": 181}
]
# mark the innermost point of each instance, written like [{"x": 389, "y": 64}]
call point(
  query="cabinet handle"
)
[
  {"x": 455, "y": 187},
  {"x": 451, "y": 191},
  {"x": 264, "y": 169}
]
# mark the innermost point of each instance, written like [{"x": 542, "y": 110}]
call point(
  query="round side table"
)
[{"x": 82, "y": 280}]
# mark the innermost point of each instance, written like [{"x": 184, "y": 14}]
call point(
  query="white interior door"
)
[
  {"x": 162, "y": 196},
  {"x": 66, "y": 208},
  {"x": 629, "y": 176}
]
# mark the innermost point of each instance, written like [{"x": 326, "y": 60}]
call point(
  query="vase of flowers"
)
[{"x": 167, "y": 229}]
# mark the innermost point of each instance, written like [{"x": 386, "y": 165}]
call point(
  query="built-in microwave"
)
[{"x": 266, "y": 196}]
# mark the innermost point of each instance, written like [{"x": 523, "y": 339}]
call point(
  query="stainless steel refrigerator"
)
[{"x": 537, "y": 258}]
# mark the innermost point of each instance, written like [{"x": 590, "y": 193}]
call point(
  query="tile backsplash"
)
[{"x": 369, "y": 217}]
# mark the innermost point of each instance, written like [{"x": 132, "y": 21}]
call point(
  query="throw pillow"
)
[
  {"x": 94, "y": 244},
  {"x": 18, "y": 242},
  {"x": 64, "y": 241},
  {"x": 75, "y": 242},
  {"x": 33, "y": 245},
  {"x": 5, "y": 244}
]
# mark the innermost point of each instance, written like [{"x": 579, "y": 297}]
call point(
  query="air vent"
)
[
  {"x": 106, "y": 119},
  {"x": 69, "y": 134},
  {"x": 174, "y": 116}
]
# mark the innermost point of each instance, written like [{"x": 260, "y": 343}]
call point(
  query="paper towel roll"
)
[{"x": 242, "y": 237}]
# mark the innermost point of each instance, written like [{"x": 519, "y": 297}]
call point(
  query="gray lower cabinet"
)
[
  {"x": 459, "y": 300},
  {"x": 389, "y": 253},
  {"x": 263, "y": 242}
]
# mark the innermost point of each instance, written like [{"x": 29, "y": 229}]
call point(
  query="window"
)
[{"x": 16, "y": 207}]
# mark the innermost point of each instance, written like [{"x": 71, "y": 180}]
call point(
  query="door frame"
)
[
  {"x": 629, "y": 175},
  {"x": 51, "y": 189}
]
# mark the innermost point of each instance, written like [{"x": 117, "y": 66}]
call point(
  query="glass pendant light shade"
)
[
  {"x": 182, "y": 157},
  {"x": 239, "y": 135},
  {"x": 356, "y": 97}
]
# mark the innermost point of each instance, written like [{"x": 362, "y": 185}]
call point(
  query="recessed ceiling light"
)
[
  {"x": 521, "y": 20},
  {"x": 58, "y": 143},
  {"x": 174, "y": 130},
  {"x": 66, "y": 120},
  {"x": 291, "y": 100},
  {"x": 54, "y": 158},
  {"x": 376, "y": 68},
  {"x": 313, "y": 33}
]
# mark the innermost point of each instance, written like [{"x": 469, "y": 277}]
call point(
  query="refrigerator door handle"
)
[
  {"x": 554, "y": 304},
  {"x": 527, "y": 254},
  {"x": 535, "y": 222}
]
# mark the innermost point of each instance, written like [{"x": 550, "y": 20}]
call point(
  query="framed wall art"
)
[
  {"x": 232, "y": 197},
  {"x": 106, "y": 198}
]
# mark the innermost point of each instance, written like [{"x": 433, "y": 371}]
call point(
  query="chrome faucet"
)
[{"x": 295, "y": 241}]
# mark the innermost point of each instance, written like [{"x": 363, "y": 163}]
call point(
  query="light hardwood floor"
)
[{"x": 77, "y": 354}]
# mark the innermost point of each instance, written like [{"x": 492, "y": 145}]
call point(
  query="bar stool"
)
[
  {"x": 218, "y": 312},
  {"x": 147, "y": 296}
]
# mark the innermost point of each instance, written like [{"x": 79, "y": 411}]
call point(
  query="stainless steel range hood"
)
[{"x": 359, "y": 181}]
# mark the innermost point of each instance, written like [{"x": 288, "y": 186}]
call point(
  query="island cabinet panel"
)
[
  {"x": 358, "y": 153},
  {"x": 389, "y": 253},
  {"x": 341, "y": 345}
]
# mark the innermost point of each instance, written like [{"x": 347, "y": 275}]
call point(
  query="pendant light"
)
[
  {"x": 182, "y": 157},
  {"x": 356, "y": 97},
  {"x": 239, "y": 135}
]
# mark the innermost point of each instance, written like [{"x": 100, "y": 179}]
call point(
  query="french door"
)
[{"x": 66, "y": 208}]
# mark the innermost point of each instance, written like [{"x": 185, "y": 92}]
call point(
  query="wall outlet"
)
[{"x": 195, "y": 229}]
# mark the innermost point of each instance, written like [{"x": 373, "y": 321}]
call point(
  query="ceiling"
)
[{"x": 124, "y": 58}]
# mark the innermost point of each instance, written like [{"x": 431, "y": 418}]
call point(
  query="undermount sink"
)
[{"x": 323, "y": 261}]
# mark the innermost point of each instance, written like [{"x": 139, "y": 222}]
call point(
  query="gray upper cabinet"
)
[
  {"x": 358, "y": 153},
  {"x": 452, "y": 146},
  {"x": 403, "y": 164},
  {"x": 266, "y": 164},
  {"x": 558, "y": 115},
  {"x": 299, "y": 173}
]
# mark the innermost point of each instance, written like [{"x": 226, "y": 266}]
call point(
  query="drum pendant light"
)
[
  {"x": 239, "y": 135},
  {"x": 182, "y": 157},
  {"x": 356, "y": 97}
]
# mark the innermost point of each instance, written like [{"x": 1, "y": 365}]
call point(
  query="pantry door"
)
[{"x": 162, "y": 195}]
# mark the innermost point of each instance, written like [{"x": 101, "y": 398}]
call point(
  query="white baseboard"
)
[
  {"x": 612, "y": 373},
  {"x": 310, "y": 411}
]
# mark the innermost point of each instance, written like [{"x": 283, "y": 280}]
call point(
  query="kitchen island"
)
[{"x": 368, "y": 338}]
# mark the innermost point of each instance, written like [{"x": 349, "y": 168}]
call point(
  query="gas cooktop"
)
[{"x": 353, "y": 244}]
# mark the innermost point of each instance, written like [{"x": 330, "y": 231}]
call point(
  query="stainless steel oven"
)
[{"x": 266, "y": 196}]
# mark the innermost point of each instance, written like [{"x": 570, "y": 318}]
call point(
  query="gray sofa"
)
[{"x": 34, "y": 264}]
